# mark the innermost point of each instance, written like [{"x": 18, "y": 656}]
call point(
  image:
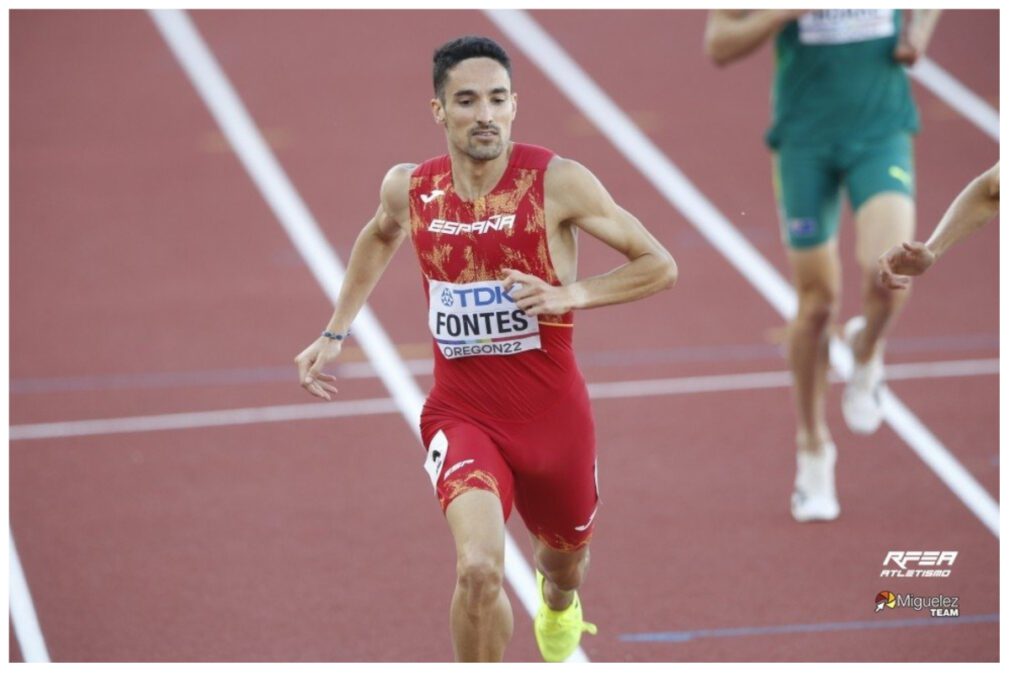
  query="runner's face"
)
[{"x": 479, "y": 108}]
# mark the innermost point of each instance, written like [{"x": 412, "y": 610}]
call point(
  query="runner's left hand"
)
[{"x": 535, "y": 296}]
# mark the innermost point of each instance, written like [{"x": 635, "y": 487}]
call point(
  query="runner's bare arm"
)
[
  {"x": 577, "y": 199},
  {"x": 378, "y": 241},
  {"x": 916, "y": 35},
  {"x": 977, "y": 204},
  {"x": 731, "y": 34}
]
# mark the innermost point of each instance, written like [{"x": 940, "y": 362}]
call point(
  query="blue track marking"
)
[{"x": 824, "y": 627}]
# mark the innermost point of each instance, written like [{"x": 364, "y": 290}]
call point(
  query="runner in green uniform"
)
[{"x": 843, "y": 116}]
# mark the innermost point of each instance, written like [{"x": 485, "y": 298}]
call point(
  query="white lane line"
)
[
  {"x": 685, "y": 385},
  {"x": 948, "y": 89},
  {"x": 23, "y": 617},
  {"x": 636, "y": 147},
  {"x": 779, "y": 379},
  {"x": 204, "y": 419},
  {"x": 943, "y": 368},
  {"x": 245, "y": 138}
]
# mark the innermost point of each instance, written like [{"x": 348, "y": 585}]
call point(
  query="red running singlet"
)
[{"x": 509, "y": 412}]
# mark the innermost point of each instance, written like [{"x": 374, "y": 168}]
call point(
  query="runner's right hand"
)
[
  {"x": 902, "y": 261},
  {"x": 310, "y": 364}
]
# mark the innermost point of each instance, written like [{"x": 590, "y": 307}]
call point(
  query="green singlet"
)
[
  {"x": 842, "y": 114},
  {"x": 836, "y": 79}
]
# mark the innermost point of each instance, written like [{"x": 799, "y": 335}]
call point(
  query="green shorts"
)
[{"x": 808, "y": 181}]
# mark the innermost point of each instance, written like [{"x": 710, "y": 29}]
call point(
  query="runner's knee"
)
[
  {"x": 567, "y": 579},
  {"x": 566, "y": 574},
  {"x": 479, "y": 575},
  {"x": 817, "y": 307}
]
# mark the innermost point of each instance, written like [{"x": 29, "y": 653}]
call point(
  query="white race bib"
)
[
  {"x": 478, "y": 319},
  {"x": 840, "y": 26}
]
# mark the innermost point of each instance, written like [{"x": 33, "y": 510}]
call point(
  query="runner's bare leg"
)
[
  {"x": 817, "y": 278},
  {"x": 480, "y": 615}
]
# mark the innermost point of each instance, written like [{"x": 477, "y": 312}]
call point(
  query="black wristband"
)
[{"x": 336, "y": 337}]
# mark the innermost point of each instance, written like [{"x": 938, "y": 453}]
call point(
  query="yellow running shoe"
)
[{"x": 558, "y": 632}]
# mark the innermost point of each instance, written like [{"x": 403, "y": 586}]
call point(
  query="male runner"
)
[
  {"x": 494, "y": 224},
  {"x": 977, "y": 204},
  {"x": 843, "y": 115}
]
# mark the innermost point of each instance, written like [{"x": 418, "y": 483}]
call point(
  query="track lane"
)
[
  {"x": 717, "y": 561},
  {"x": 232, "y": 545}
]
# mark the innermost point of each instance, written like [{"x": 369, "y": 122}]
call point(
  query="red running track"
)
[{"x": 137, "y": 233}]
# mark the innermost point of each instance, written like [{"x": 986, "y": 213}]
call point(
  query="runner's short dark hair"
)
[{"x": 469, "y": 46}]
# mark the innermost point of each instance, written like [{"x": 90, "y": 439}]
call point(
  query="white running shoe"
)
[
  {"x": 814, "y": 496},
  {"x": 861, "y": 405}
]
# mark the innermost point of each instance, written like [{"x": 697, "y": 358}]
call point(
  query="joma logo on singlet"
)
[{"x": 493, "y": 223}]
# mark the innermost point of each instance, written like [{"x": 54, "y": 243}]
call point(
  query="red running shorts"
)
[{"x": 546, "y": 465}]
